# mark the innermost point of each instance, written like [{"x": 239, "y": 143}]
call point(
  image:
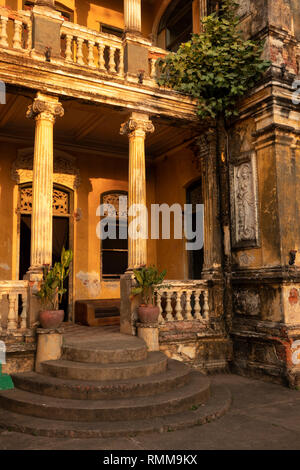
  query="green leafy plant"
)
[
  {"x": 52, "y": 287},
  {"x": 146, "y": 278},
  {"x": 216, "y": 66}
]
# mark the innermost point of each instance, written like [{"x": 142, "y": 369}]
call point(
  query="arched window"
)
[{"x": 176, "y": 25}]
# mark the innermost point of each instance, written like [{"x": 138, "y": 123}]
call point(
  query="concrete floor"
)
[{"x": 262, "y": 416}]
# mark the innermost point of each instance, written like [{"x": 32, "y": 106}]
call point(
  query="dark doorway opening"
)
[
  {"x": 60, "y": 240},
  {"x": 195, "y": 257}
]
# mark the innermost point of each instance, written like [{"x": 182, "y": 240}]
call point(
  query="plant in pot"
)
[
  {"x": 52, "y": 290},
  {"x": 146, "y": 278}
]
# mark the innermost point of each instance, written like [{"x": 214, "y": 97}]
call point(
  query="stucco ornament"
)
[
  {"x": 246, "y": 302},
  {"x": 244, "y": 202}
]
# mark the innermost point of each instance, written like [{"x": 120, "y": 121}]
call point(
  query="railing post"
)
[
  {"x": 178, "y": 308},
  {"x": 161, "y": 320},
  {"x": 17, "y": 35},
  {"x": 112, "y": 63},
  {"x": 24, "y": 311},
  {"x": 169, "y": 310},
  {"x": 79, "y": 51},
  {"x": 101, "y": 48},
  {"x": 205, "y": 306},
  {"x": 197, "y": 307},
  {"x": 91, "y": 61},
  {"x": 121, "y": 63},
  {"x": 3, "y": 35},
  {"x": 69, "y": 39},
  {"x": 12, "y": 321},
  {"x": 188, "y": 307}
]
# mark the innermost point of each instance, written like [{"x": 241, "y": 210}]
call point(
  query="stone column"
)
[
  {"x": 136, "y": 128},
  {"x": 43, "y": 110},
  {"x": 133, "y": 16}
]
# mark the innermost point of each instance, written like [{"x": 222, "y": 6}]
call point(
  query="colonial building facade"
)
[{"x": 83, "y": 122}]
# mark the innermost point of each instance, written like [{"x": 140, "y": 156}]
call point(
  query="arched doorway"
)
[
  {"x": 196, "y": 257},
  {"x": 62, "y": 202}
]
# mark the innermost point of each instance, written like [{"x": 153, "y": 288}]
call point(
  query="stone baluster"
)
[
  {"x": 133, "y": 16},
  {"x": 17, "y": 39},
  {"x": 136, "y": 128},
  {"x": 29, "y": 36},
  {"x": 169, "y": 310},
  {"x": 44, "y": 110},
  {"x": 80, "y": 60},
  {"x": 101, "y": 48},
  {"x": 121, "y": 62},
  {"x": 197, "y": 307},
  {"x": 69, "y": 55},
  {"x": 91, "y": 61},
  {"x": 112, "y": 62},
  {"x": 3, "y": 34},
  {"x": 24, "y": 311},
  {"x": 205, "y": 306},
  {"x": 12, "y": 317},
  {"x": 161, "y": 320},
  {"x": 178, "y": 308},
  {"x": 188, "y": 307}
]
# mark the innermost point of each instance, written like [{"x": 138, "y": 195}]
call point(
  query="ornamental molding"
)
[
  {"x": 246, "y": 302},
  {"x": 45, "y": 109},
  {"x": 137, "y": 124},
  {"x": 244, "y": 201},
  {"x": 65, "y": 171}
]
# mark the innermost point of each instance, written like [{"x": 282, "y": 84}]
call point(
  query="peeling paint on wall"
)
[{"x": 91, "y": 281}]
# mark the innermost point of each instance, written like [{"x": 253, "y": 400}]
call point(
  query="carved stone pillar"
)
[
  {"x": 133, "y": 16},
  {"x": 44, "y": 111},
  {"x": 212, "y": 230},
  {"x": 136, "y": 128}
]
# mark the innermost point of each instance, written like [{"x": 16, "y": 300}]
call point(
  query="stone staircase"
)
[{"x": 110, "y": 386}]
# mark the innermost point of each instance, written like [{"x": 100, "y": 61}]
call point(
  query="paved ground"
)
[{"x": 262, "y": 416}]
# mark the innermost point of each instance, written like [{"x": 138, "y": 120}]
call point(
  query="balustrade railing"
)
[
  {"x": 182, "y": 300},
  {"x": 15, "y": 30},
  {"x": 83, "y": 46},
  {"x": 16, "y": 295}
]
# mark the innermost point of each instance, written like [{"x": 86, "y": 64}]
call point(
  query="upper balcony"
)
[{"x": 41, "y": 50}]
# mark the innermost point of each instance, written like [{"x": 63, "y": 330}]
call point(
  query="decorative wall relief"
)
[
  {"x": 244, "y": 201},
  {"x": 246, "y": 302}
]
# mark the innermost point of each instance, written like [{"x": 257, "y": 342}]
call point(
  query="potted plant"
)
[
  {"x": 146, "y": 278},
  {"x": 52, "y": 290}
]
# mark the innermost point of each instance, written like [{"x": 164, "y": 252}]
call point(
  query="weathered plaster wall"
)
[{"x": 173, "y": 174}]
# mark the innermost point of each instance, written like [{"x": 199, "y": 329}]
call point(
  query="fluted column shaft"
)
[
  {"x": 43, "y": 110},
  {"x": 133, "y": 15},
  {"x": 136, "y": 128}
]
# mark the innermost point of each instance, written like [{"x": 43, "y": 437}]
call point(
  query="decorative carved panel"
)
[
  {"x": 244, "y": 201},
  {"x": 114, "y": 200},
  {"x": 64, "y": 170},
  {"x": 246, "y": 302},
  {"x": 60, "y": 201}
]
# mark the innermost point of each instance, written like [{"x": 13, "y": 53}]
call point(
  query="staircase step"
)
[
  {"x": 217, "y": 406},
  {"x": 134, "y": 408},
  {"x": 107, "y": 350},
  {"x": 155, "y": 363},
  {"x": 176, "y": 375}
]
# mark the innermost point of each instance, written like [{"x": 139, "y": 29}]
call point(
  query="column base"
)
[
  {"x": 49, "y": 346},
  {"x": 149, "y": 333}
]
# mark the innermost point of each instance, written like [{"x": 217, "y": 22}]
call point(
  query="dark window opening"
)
[
  {"x": 195, "y": 257},
  {"x": 108, "y": 29},
  {"x": 65, "y": 12},
  {"x": 114, "y": 252},
  {"x": 176, "y": 25}
]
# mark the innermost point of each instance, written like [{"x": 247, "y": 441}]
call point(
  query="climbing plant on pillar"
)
[{"x": 216, "y": 67}]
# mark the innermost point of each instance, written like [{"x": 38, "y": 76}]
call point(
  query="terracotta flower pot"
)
[
  {"x": 148, "y": 313},
  {"x": 51, "y": 319}
]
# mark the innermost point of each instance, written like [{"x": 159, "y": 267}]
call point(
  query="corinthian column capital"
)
[
  {"x": 45, "y": 107},
  {"x": 138, "y": 125}
]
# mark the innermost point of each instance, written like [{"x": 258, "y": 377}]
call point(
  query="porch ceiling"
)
[{"x": 91, "y": 127}]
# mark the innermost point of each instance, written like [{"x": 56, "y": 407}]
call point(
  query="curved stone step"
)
[
  {"x": 106, "y": 350},
  {"x": 155, "y": 363},
  {"x": 135, "y": 408},
  {"x": 176, "y": 376},
  {"x": 217, "y": 406}
]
